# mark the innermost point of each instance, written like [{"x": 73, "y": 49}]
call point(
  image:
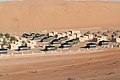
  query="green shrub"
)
[{"x": 7, "y": 35}]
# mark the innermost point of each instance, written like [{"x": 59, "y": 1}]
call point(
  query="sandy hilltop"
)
[{"x": 36, "y": 15}]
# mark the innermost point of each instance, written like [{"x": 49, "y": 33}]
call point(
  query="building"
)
[
  {"x": 55, "y": 41},
  {"x": 70, "y": 42},
  {"x": 103, "y": 43},
  {"x": 3, "y": 51},
  {"x": 52, "y": 33},
  {"x": 15, "y": 45},
  {"x": 99, "y": 38},
  {"x": 69, "y": 33},
  {"x": 73, "y": 41},
  {"x": 63, "y": 38},
  {"x": 65, "y": 46},
  {"x": 72, "y": 37},
  {"x": 47, "y": 39},
  {"x": 77, "y": 35},
  {"x": 81, "y": 39},
  {"x": 50, "y": 48},
  {"x": 20, "y": 48},
  {"x": 74, "y": 31},
  {"x": 38, "y": 36},
  {"x": 91, "y": 45},
  {"x": 31, "y": 44},
  {"x": 1, "y": 40},
  {"x": 86, "y": 38},
  {"x": 90, "y": 36},
  {"x": 25, "y": 35},
  {"x": 59, "y": 35},
  {"x": 116, "y": 39},
  {"x": 64, "y": 34}
]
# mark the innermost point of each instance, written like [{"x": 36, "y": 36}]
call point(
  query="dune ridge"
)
[{"x": 36, "y": 15}]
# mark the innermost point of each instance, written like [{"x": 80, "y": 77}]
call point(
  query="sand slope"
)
[{"x": 34, "y": 15}]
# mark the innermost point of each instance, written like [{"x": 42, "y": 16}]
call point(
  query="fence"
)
[{"x": 61, "y": 51}]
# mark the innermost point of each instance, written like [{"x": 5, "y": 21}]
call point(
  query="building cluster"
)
[
  {"x": 58, "y": 40},
  {"x": 67, "y": 39},
  {"x": 8, "y": 42}
]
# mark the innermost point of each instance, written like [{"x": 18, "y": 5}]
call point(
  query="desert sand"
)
[
  {"x": 104, "y": 65},
  {"x": 37, "y": 15}
]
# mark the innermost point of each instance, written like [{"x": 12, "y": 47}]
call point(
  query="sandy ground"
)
[
  {"x": 103, "y": 65},
  {"x": 37, "y": 15}
]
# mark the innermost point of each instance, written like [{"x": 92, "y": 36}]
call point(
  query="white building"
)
[
  {"x": 99, "y": 38},
  {"x": 31, "y": 44}
]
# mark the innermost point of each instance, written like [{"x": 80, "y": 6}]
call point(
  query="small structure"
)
[
  {"x": 116, "y": 39},
  {"x": 1, "y": 40},
  {"x": 47, "y": 39},
  {"x": 99, "y": 38},
  {"x": 90, "y": 36},
  {"x": 38, "y": 36},
  {"x": 31, "y": 44},
  {"x": 52, "y": 33},
  {"x": 50, "y": 48},
  {"x": 25, "y": 35},
  {"x": 91, "y": 45},
  {"x": 70, "y": 42},
  {"x": 3, "y": 51},
  {"x": 63, "y": 38},
  {"x": 76, "y": 40},
  {"x": 81, "y": 39},
  {"x": 55, "y": 41},
  {"x": 69, "y": 33},
  {"x": 74, "y": 31},
  {"x": 103, "y": 43},
  {"x": 59, "y": 35},
  {"x": 15, "y": 45},
  {"x": 72, "y": 37},
  {"x": 65, "y": 45},
  {"x": 64, "y": 34},
  {"x": 32, "y": 34},
  {"x": 77, "y": 35},
  {"x": 23, "y": 48}
]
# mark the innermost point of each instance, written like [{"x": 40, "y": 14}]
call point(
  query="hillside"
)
[{"x": 36, "y": 15}]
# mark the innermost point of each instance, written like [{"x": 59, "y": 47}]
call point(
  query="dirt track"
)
[{"x": 87, "y": 66}]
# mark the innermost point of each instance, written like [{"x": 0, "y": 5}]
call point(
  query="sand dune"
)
[{"x": 36, "y": 15}]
